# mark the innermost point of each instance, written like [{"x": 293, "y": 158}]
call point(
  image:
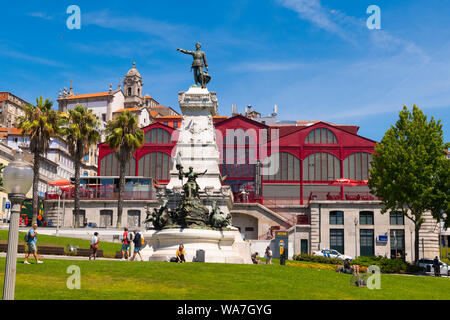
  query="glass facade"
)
[
  {"x": 109, "y": 166},
  {"x": 321, "y": 135},
  {"x": 156, "y": 165},
  {"x": 321, "y": 166},
  {"x": 158, "y": 135},
  {"x": 288, "y": 168},
  {"x": 357, "y": 166}
]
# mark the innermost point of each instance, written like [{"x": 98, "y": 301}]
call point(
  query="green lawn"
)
[
  {"x": 190, "y": 281},
  {"x": 109, "y": 248}
]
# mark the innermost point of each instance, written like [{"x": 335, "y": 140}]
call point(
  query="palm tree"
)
[
  {"x": 81, "y": 131},
  {"x": 39, "y": 123},
  {"x": 124, "y": 137}
]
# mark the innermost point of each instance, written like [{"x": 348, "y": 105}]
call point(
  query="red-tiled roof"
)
[
  {"x": 88, "y": 95},
  {"x": 126, "y": 109}
]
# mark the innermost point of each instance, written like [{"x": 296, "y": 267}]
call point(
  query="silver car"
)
[{"x": 427, "y": 266}]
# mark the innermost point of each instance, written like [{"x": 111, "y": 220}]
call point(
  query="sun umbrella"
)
[
  {"x": 59, "y": 183},
  {"x": 345, "y": 182}
]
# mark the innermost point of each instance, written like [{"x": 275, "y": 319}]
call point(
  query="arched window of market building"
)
[
  {"x": 288, "y": 168},
  {"x": 321, "y": 166},
  {"x": 156, "y": 165},
  {"x": 357, "y": 166},
  {"x": 109, "y": 166},
  {"x": 239, "y": 154},
  {"x": 158, "y": 135},
  {"x": 321, "y": 135}
]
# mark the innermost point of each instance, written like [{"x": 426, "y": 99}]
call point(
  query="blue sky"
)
[{"x": 315, "y": 59}]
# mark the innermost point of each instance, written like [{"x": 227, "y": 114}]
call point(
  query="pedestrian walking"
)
[
  {"x": 131, "y": 236},
  {"x": 138, "y": 242},
  {"x": 268, "y": 256},
  {"x": 94, "y": 246},
  {"x": 436, "y": 267},
  {"x": 31, "y": 240},
  {"x": 125, "y": 244}
]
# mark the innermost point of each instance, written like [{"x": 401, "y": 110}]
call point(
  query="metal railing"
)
[
  {"x": 337, "y": 196},
  {"x": 104, "y": 195}
]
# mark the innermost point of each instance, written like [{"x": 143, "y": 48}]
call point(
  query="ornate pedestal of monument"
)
[
  {"x": 196, "y": 212},
  {"x": 219, "y": 246}
]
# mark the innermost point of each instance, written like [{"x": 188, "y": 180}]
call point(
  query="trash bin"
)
[{"x": 200, "y": 256}]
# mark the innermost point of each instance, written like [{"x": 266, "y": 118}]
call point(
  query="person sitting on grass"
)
[
  {"x": 31, "y": 239},
  {"x": 180, "y": 254},
  {"x": 347, "y": 268},
  {"x": 94, "y": 246},
  {"x": 254, "y": 258}
]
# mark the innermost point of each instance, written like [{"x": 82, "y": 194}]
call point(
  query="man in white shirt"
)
[{"x": 94, "y": 246}]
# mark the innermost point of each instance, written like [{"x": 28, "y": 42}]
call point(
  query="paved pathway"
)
[{"x": 54, "y": 257}]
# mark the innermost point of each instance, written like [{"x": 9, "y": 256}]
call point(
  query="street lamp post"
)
[
  {"x": 356, "y": 238},
  {"x": 59, "y": 201},
  {"x": 444, "y": 216},
  {"x": 17, "y": 180}
]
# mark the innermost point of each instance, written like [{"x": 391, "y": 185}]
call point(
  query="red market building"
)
[{"x": 310, "y": 158}]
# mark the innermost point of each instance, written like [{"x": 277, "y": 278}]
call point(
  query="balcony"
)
[{"x": 103, "y": 195}]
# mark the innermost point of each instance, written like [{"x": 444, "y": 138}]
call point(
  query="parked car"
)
[
  {"x": 330, "y": 253},
  {"x": 426, "y": 266}
]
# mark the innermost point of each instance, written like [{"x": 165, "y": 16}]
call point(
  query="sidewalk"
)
[{"x": 53, "y": 257}]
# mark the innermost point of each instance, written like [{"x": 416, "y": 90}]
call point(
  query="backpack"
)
[
  {"x": 138, "y": 240},
  {"x": 27, "y": 236},
  {"x": 142, "y": 240}
]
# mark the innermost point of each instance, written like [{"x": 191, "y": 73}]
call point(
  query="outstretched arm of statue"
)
[{"x": 185, "y": 51}]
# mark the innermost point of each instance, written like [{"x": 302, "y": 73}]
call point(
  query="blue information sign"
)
[{"x": 8, "y": 205}]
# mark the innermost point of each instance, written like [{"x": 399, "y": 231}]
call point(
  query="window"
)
[
  {"x": 158, "y": 135},
  {"x": 134, "y": 218},
  {"x": 397, "y": 243},
  {"x": 175, "y": 125},
  {"x": 337, "y": 217},
  {"x": 366, "y": 218},
  {"x": 366, "y": 238},
  {"x": 357, "y": 166},
  {"x": 109, "y": 166},
  {"x": 166, "y": 123},
  {"x": 321, "y": 166},
  {"x": 129, "y": 91},
  {"x": 239, "y": 159},
  {"x": 321, "y": 135},
  {"x": 337, "y": 240},
  {"x": 288, "y": 168},
  {"x": 156, "y": 165},
  {"x": 104, "y": 117},
  {"x": 249, "y": 229},
  {"x": 397, "y": 218}
]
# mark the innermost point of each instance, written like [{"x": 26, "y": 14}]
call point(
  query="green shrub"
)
[
  {"x": 386, "y": 265},
  {"x": 317, "y": 259}
]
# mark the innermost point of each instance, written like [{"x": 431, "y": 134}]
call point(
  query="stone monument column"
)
[{"x": 196, "y": 146}]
